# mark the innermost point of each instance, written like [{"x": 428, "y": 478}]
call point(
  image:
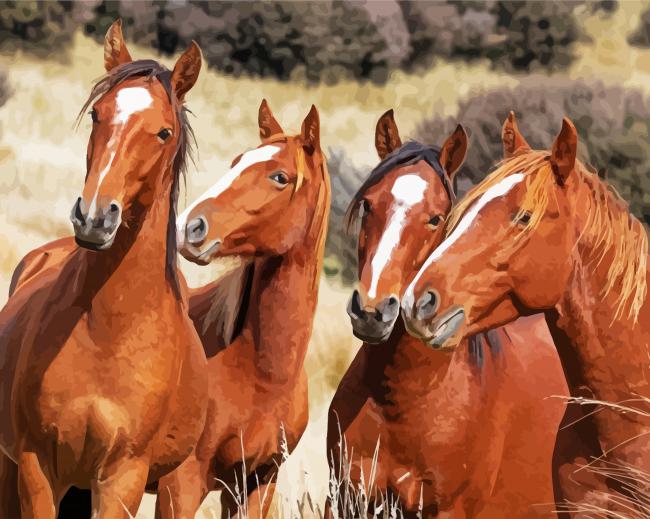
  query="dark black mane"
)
[
  {"x": 155, "y": 71},
  {"x": 409, "y": 153}
]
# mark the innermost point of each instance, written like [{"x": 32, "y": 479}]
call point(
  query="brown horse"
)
[
  {"x": 102, "y": 375},
  {"x": 543, "y": 233},
  {"x": 467, "y": 433},
  {"x": 271, "y": 208}
]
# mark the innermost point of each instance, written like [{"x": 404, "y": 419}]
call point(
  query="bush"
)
[
  {"x": 641, "y": 36},
  {"x": 613, "y": 124},
  {"x": 324, "y": 40}
]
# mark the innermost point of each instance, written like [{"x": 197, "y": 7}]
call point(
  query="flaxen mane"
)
[
  {"x": 154, "y": 71},
  {"x": 609, "y": 228}
]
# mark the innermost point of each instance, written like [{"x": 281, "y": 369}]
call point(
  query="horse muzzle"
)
[{"x": 96, "y": 232}]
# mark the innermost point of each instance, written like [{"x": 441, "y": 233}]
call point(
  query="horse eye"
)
[
  {"x": 280, "y": 178},
  {"x": 365, "y": 207},
  {"x": 435, "y": 220},
  {"x": 164, "y": 134},
  {"x": 524, "y": 219},
  {"x": 93, "y": 115}
]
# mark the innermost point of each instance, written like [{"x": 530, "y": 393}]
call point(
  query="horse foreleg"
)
[
  {"x": 38, "y": 496},
  {"x": 181, "y": 492},
  {"x": 118, "y": 490},
  {"x": 9, "y": 501}
]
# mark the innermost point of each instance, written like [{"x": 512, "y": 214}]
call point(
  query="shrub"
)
[
  {"x": 613, "y": 124},
  {"x": 641, "y": 36}
]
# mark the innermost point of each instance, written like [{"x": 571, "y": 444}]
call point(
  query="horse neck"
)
[
  {"x": 136, "y": 262},
  {"x": 595, "y": 346},
  {"x": 285, "y": 293}
]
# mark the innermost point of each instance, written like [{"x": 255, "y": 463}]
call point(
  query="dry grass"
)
[{"x": 42, "y": 161}]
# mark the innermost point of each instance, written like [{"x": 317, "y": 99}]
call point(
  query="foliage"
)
[{"x": 324, "y": 40}]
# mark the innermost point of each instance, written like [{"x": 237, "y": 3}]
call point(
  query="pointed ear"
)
[
  {"x": 115, "y": 52},
  {"x": 267, "y": 123},
  {"x": 453, "y": 151},
  {"x": 563, "y": 153},
  {"x": 186, "y": 71},
  {"x": 513, "y": 141},
  {"x": 387, "y": 137},
  {"x": 310, "y": 132}
]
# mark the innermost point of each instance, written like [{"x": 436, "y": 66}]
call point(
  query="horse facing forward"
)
[
  {"x": 102, "y": 375},
  {"x": 271, "y": 208},
  {"x": 543, "y": 233},
  {"x": 467, "y": 433}
]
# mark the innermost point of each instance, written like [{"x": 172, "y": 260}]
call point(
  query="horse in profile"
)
[
  {"x": 102, "y": 375},
  {"x": 462, "y": 433},
  {"x": 545, "y": 234},
  {"x": 271, "y": 208}
]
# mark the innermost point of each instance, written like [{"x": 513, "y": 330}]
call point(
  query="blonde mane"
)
[{"x": 610, "y": 229}]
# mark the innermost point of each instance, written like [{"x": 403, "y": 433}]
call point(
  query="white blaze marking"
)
[
  {"x": 407, "y": 191},
  {"x": 248, "y": 159},
  {"x": 496, "y": 191},
  {"x": 127, "y": 102}
]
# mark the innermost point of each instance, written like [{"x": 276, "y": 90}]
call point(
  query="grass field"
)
[{"x": 42, "y": 164}]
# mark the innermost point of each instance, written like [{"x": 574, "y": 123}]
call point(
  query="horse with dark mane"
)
[
  {"x": 543, "y": 233},
  {"x": 460, "y": 433},
  {"x": 102, "y": 375},
  {"x": 271, "y": 208}
]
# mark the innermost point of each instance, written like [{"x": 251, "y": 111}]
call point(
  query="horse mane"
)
[
  {"x": 231, "y": 293},
  {"x": 409, "y": 153},
  {"x": 153, "y": 70},
  {"x": 609, "y": 227}
]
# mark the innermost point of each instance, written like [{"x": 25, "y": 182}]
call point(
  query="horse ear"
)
[
  {"x": 267, "y": 123},
  {"x": 310, "y": 131},
  {"x": 186, "y": 71},
  {"x": 387, "y": 137},
  {"x": 115, "y": 52},
  {"x": 513, "y": 140},
  {"x": 563, "y": 153},
  {"x": 453, "y": 151}
]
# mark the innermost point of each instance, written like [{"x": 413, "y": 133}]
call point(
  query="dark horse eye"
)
[
  {"x": 164, "y": 134},
  {"x": 365, "y": 206},
  {"x": 280, "y": 178},
  {"x": 524, "y": 219},
  {"x": 435, "y": 220},
  {"x": 93, "y": 115}
]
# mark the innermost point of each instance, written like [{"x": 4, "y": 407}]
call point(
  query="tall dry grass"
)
[{"x": 42, "y": 161}]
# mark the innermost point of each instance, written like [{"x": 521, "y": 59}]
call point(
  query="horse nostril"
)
[
  {"x": 114, "y": 208},
  {"x": 427, "y": 306},
  {"x": 78, "y": 215},
  {"x": 355, "y": 308},
  {"x": 392, "y": 301},
  {"x": 196, "y": 230}
]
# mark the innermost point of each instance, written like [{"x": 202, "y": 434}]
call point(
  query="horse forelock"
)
[
  {"x": 155, "y": 71},
  {"x": 609, "y": 227}
]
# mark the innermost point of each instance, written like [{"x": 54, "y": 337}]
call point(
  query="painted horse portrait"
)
[
  {"x": 102, "y": 375},
  {"x": 461, "y": 433},
  {"x": 271, "y": 209},
  {"x": 544, "y": 234}
]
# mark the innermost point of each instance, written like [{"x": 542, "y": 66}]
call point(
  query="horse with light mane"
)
[
  {"x": 271, "y": 209},
  {"x": 462, "y": 433},
  {"x": 542, "y": 233},
  {"x": 102, "y": 375}
]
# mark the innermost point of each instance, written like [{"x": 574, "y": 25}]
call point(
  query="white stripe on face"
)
[
  {"x": 496, "y": 191},
  {"x": 407, "y": 191},
  {"x": 248, "y": 159},
  {"x": 127, "y": 102}
]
